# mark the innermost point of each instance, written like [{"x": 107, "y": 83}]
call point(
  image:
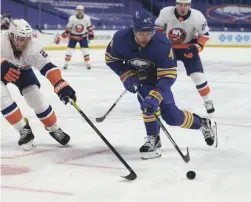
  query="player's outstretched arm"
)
[
  {"x": 61, "y": 87},
  {"x": 40, "y": 60}
]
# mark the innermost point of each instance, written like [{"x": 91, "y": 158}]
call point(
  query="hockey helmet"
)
[
  {"x": 184, "y": 1},
  {"x": 143, "y": 21},
  {"x": 19, "y": 28},
  {"x": 80, "y": 7}
]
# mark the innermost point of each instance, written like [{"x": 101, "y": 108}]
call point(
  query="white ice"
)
[{"x": 87, "y": 171}]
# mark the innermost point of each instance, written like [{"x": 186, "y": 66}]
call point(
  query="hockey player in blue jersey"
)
[{"x": 143, "y": 58}]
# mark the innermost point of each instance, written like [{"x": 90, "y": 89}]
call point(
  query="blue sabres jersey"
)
[{"x": 151, "y": 63}]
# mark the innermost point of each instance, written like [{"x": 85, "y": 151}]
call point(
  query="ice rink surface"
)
[{"x": 87, "y": 171}]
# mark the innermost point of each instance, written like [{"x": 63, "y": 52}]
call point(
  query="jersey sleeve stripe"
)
[
  {"x": 203, "y": 39},
  {"x": 159, "y": 28},
  {"x": 166, "y": 73},
  {"x": 51, "y": 72},
  {"x": 109, "y": 58}
]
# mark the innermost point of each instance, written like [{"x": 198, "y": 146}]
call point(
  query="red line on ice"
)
[
  {"x": 36, "y": 190},
  {"x": 92, "y": 166},
  {"x": 86, "y": 155},
  {"x": 89, "y": 165}
]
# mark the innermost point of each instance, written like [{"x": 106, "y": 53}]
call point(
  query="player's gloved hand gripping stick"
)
[
  {"x": 132, "y": 175},
  {"x": 186, "y": 157}
]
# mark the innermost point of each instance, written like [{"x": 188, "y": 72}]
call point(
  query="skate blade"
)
[
  {"x": 28, "y": 146},
  {"x": 151, "y": 155},
  {"x": 214, "y": 131}
]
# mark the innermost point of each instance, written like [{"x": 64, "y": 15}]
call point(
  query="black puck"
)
[{"x": 191, "y": 175}]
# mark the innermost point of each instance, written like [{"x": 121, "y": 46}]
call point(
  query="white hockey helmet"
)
[
  {"x": 184, "y": 1},
  {"x": 19, "y": 28},
  {"x": 80, "y": 7}
]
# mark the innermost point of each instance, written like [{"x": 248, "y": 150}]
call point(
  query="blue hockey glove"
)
[
  {"x": 130, "y": 81},
  {"x": 191, "y": 51},
  {"x": 151, "y": 102},
  {"x": 64, "y": 91}
]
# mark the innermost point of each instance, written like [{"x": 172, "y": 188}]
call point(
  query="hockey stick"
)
[
  {"x": 132, "y": 175},
  {"x": 102, "y": 118},
  {"x": 42, "y": 32},
  {"x": 186, "y": 157}
]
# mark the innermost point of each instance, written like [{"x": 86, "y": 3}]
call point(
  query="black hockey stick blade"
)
[
  {"x": 100, "y": 119},
  {"x": 186, "y": 157},
  {"x": 131, "y": 176}
]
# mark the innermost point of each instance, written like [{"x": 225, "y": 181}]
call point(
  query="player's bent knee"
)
[{"x": 35, "y": 99}]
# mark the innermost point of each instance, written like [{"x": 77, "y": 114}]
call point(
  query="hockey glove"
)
[
  {"x": 192, "y": 51},
  {"x": 9, "y": 72},
  {"x": 65, "y": 34},
  {"x": 151, "y": 102},
  {"x": 130, "y": 81},
  {"x": 64, "y": 91},
  {"x": 90, "y": 35}
]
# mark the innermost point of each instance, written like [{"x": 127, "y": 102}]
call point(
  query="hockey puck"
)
[{"x": 191, "y": 175}]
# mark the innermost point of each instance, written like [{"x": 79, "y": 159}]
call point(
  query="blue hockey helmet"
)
[{"x": 143, "y": 21}]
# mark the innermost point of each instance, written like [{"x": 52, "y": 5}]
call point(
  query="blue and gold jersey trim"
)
[
  {"x": 188, "y": 120},
  {"x": 167, "y": 73},
  {"x": 109, "y": 58}
]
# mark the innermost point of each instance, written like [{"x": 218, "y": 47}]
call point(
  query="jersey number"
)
[
  {"x": 171, "y": 54},
  {"x": 204, "y": 26},
  {"x": 43, "y": 53}
]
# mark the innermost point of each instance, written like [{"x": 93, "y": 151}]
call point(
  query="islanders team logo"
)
[
  {"x": 79, "y": 28},
  {"x": 230, "y": 13},
  {"x": 140, "y": 64},
  {"x": 177, "y": 35}
]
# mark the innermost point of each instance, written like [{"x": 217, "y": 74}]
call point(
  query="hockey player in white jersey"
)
[
  {"x": 20, "y": 52},
  {"x": 188, "y": 31},
  {"x": 78, "y": 29}
]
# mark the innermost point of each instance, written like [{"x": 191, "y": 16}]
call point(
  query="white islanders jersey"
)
[
  {"x": 79, "y": 26},
  {"x": 182, "y": 32},
  {"x": 32, "y": 56}
]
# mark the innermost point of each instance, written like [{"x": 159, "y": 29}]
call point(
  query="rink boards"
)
[{"x": 103, "y": 37}]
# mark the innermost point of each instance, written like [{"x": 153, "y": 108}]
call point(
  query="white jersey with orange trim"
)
[
  {"x": 32, "y": 56},
  {"x": 79, "y": 26},
  {"x": 182, "y": 32}
]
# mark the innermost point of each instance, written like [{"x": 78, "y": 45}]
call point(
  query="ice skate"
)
[
  {"x": 209, "y": 107},
  {"x": 60, "y": 136},
  {"x": 151, "y": 149},
  {"x": 26, "y": 137},
  {"x": 65, "y": 66},
  {"x": 209, "y": 130},
  {"x": 88, "y": 66}
]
